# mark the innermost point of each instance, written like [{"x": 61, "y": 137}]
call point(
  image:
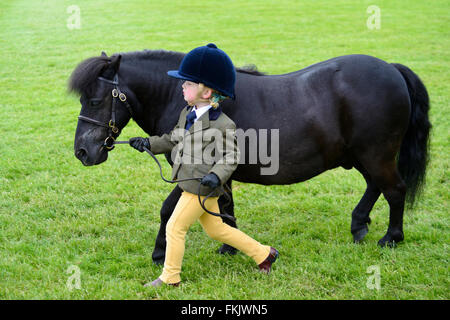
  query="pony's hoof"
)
[
  {"x": 391, "y": 239},
  {"x": 226, "y": 249},
  {"x": 359, "y": 235},
  {"x": 159, "y": 261}
]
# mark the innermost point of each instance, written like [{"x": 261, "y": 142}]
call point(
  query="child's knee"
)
[
  {"x": 215, "y": 232},
  {"x": 214, "y": 235},
  {"x": 175, "y": 230}
]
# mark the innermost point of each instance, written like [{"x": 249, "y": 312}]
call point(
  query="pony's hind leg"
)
[
  {"x": 385, "y": 175},
  {"x": 360, "y": 215},
  {"x": 395, "y": 193}
]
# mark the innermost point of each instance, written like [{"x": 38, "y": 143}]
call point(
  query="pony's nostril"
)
[{"x": 80, "y": 154}]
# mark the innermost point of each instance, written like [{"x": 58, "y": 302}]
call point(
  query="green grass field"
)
[{"x": 55, "y": 213}]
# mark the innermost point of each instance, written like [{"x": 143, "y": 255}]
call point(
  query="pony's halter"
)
[{"x": 111, "y": 125}]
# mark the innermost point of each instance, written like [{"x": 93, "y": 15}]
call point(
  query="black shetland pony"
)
[{"x": 353, "y": 111}]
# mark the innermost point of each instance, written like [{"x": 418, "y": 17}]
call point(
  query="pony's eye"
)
[{"x": 95, "y": 102}]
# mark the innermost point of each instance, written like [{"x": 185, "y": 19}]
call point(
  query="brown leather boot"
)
[{"x": 266, "y": 265}]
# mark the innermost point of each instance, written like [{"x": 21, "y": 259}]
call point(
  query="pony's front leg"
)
[
  {"x": 227, "y": 207},
  {"x": 159, "y": 253}
]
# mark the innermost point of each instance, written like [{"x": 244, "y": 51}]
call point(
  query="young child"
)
[{"x": 209, "y": 77}]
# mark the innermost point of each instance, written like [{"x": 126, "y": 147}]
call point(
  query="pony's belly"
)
[{"x": 287, "y": 171}]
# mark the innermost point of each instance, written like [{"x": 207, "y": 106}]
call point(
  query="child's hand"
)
[
  {"x": 211, "y": 180},
  {"x": 139, "y": 143}
]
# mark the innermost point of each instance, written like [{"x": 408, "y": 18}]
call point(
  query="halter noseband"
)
[{"x": 111, "y": 125}]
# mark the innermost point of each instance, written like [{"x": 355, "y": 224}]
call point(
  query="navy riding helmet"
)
[{"x": 210, "y": 66}]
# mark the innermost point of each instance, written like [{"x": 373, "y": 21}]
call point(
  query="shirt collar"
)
[
  {"x": 213, "y": 114},
  {"x": 200, "y": 111}
]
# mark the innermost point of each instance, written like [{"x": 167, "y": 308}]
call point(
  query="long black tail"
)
[{"x": 413, "y": 156}]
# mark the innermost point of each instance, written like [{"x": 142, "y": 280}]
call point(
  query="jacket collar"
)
[{"x": 214, "y": 113}]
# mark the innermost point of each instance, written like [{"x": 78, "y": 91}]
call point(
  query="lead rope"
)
[{"x": 202, "y": 203}]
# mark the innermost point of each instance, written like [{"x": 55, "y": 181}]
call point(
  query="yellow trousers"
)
[{"x": 186, "y": 212}]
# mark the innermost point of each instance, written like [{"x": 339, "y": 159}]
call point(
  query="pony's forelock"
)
[{"x": 86, "y": 73}]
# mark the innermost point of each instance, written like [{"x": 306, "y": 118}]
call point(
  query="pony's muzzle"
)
[{"x": 81, "y": 155}]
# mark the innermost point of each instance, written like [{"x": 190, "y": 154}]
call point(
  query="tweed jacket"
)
[{"x": 210, "y": 145}]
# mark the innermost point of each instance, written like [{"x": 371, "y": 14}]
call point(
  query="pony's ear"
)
[
  {"x": 104, "y": 54},
  {"x": 115, "y": 62}
]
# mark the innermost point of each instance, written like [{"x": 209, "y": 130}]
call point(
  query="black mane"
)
[
  {"x": 147, "y": 54},
  {"x": 164, "y": 54},
  {"x": 90, "y": 69},
  {"x": 250, "y": 69}
]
